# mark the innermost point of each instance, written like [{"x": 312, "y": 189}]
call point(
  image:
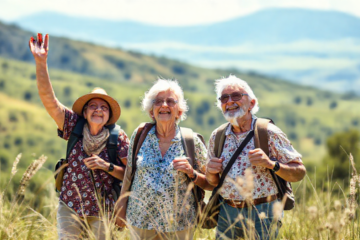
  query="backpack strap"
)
[
  {"x": 111, "y": 144},
  {"x": 187, "y": 140},
  {"x": 232, "y": 161},
  {"x": 75, "y": 135},
  {"x": 261, "y": 134},
  {"x": 220, "y": 139},
  {"x": 140, "y": 136},
  {"x": 261, "y": 141}
]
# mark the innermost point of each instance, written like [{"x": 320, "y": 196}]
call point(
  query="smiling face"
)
[
  {"x": 233, "y": 110},
  {"x": 97, "y": 112},
  {"x": 164, "y": 113}
]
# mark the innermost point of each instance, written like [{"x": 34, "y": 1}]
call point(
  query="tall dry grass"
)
[{"x": 329, "y": 213}]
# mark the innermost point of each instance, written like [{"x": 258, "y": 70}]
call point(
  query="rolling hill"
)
[{"x": 308, "y": 116}]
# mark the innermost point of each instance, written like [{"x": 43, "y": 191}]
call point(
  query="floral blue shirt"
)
[{"x": 160, "y": 198}]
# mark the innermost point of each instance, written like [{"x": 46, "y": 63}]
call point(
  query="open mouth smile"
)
[
  {"x": 164, "y": 112},
  {"x": 232, "y": 108}
]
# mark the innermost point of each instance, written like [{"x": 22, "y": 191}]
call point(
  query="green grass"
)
[{"x": 327, "y": 213}]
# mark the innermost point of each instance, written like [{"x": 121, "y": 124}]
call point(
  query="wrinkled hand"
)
[
  {"x": 214, "y": 166},
  {"x": 120, "y": 217},
  {"x": 120, "y": 223},
  {"x": 39, "y": 48},
  {"x": 257, "y": 157},
  {"x": 183, "y": 165},
  {"x": 95, "y": 162}
]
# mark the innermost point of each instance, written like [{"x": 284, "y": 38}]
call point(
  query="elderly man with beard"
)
[{"x": 239, "y": 104}]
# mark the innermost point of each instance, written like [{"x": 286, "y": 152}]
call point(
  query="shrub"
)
[
  {"x": 333, "y": 105},
  {"x": 27, "y": 96},
  {"x": 339, "y": 145},
  {"x": 177, "y": 69},
  {"x": 309, "y": 101},
  {"x": 297, "y": 100},
  {"x": 67, "y": 91},
  {"x": 127, "y": 103}
]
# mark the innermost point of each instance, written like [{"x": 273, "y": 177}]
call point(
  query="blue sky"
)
[{"x": 165, "y": 12}]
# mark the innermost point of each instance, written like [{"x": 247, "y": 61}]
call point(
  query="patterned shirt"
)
[
  {"x": 159, "y": 198},
  {"x": 77, "y": 191},
  {"x": 280, "y": 149}
]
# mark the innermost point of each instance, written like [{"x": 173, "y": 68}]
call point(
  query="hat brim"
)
[{"x": 114, "y": 105}]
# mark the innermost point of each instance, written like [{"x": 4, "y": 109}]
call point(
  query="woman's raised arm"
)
[{"x": 39, "y": 49}]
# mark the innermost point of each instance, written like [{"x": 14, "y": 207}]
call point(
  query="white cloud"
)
[{"x": 165, "y": 12}]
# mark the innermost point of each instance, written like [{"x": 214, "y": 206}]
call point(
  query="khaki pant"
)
[
  {"x": 140, "y": 234},
  {"x": 70, "y": 225}
]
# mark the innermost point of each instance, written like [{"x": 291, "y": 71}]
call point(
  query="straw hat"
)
[{"x": 98, "y": 93}]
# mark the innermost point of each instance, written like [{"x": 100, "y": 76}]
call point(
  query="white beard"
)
[{"x": 232, "y": 117}]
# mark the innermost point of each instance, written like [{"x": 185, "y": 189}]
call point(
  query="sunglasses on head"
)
[
  {"x": 236, "y": 96},
  {"x": 169, "y": 101}
]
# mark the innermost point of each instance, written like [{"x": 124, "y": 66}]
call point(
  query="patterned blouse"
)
[
  {"x": 77, "y": 191},
  {"x": 159, "y": 198},
  {"x": 280, "y": 149}
]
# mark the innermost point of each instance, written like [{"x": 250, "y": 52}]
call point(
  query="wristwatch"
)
[
  {"x": 111, "y": 167},
  {"x": 276, "y": 167},
  {"x": 194, "y": 177}
]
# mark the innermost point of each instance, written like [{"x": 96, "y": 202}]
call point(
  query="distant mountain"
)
[
  {"x": 263, "y": 27},
  {"x": 311, "y": 47}
]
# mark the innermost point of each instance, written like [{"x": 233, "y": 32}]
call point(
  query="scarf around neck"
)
[{"x": 94, "y": 144}]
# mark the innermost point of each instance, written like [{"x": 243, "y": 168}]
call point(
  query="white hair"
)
[
  {"x": 163, "y": 85},
  {"x": 232, "y": 80}
]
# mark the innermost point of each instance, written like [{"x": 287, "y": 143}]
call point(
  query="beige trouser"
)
[
  {"x": 70, "y": 225},
  {"x": 140, "y": 234}
]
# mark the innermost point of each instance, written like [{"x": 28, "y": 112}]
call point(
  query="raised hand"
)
[{"x": 39, "y": 48}]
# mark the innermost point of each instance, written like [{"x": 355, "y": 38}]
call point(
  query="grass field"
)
[{"x": 328, "y": 213}]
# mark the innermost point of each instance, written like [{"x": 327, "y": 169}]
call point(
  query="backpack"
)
[
  {"x": 75, "y": 135},
  {"x": 187, "y": 139},
  {"x": 285, "y": 192}
]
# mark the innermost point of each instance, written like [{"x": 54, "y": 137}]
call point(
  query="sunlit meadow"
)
[{"x": 326, "y": 213}]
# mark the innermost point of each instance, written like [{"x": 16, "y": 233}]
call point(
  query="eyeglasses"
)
[
  {"x": 169, "y": 101},
  {"x": 236, "y": 96},
  {"x": 93, "y": 107}
]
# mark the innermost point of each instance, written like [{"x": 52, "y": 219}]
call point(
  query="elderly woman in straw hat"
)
[
  {"x": 89, "y": 170},
  {"x": 160, "y": 205}
]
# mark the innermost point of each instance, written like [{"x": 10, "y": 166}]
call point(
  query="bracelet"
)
[{"x": 194, "y": 178}]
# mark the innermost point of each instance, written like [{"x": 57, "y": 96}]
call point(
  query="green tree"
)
[{"x": 339, "y": 146}]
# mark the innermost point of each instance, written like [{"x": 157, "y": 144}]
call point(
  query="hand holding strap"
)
[{"x": 233, "y": 159}]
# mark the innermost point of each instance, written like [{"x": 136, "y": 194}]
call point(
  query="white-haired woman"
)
[{"x": 160, "y": 205}]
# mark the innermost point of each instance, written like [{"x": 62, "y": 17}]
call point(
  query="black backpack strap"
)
[
  {"x": 111, "y": 145},
  {"x": 232, "y": 160},
  {"x": 75, "y": 135}
]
